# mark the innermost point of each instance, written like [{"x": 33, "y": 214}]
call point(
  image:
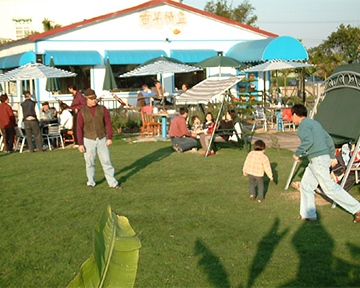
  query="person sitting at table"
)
[
  {"x": 145, "y": 96},
  {"x": 46, "y": 114},
  {"x": 66, "y": 118},
  {"x": 205, "y": 136},
  {"x": 227, "y": 122},
  {"x": 160, "y": 93},
  {"x": 184, "y": 88},
  {"x": 181, "y": 137}
]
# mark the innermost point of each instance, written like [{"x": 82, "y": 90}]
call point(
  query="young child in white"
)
[{"x": 256, "y": 164}]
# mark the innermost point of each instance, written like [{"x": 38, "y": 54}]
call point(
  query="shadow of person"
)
[
  {"x": 141, "y": 163},
  {"x": 210, "y": 264},
  {"x": 266, "y": 248},
  {"x": 315, "y": 249}
]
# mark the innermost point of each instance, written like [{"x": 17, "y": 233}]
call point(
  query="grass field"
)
[{"x": 193, "y": 216}]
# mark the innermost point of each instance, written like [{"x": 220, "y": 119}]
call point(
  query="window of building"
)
[{"x": 23, "y": 27}]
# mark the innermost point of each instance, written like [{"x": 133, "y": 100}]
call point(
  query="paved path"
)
[{"x": 286, "y": 140}]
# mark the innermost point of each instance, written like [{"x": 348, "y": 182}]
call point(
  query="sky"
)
[{"x": 312, "y": 21}]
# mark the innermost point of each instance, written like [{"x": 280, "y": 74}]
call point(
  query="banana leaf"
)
[{"x": 116, "y": 253}]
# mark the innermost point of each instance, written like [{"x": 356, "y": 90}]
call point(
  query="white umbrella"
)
[
  {"x": 276, "y": 65},
  {"x": 160, "y": 65},
  {"x": 35, "y": 71}
]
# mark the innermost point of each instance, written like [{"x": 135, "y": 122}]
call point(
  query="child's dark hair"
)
[
  {"x": 259, "y": 145},
  {"x": 193, "y": 118},
  {"x": 300, "y": 110}
]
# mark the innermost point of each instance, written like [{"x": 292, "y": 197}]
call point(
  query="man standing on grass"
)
[
  {"x": 93, "y": 125},
  {"x": 29, "y": 115},
  {"x": 7, "y": 123},
  {"x": 179, "y": 133},
  {"x": 319, "y": 147}
]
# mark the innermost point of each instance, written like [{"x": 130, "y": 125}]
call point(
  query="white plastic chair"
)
[
  {"x": 19, "y": 137},
  {"x": 53, "y": 133},
  {"x": 259, "y": 115}
]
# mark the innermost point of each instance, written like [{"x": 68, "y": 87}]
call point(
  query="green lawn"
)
[{"x": 193, "y": 216}]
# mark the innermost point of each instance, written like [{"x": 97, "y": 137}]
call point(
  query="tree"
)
[
  {"x": 341, "y": 47},
  {"x": 48, "y": 25},
  {"x": 243, "y": 13}
]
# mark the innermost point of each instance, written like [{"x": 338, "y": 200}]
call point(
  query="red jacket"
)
[{"x": 7, "y": 117}]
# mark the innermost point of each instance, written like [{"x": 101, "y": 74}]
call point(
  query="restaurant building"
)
[{"x": 134, "y": 35}]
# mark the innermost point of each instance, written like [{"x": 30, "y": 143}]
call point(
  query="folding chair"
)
[
  {"x": 286, "y": 119},
  {"x": 53, "y": 133},
  {"x": 259, "y": 115},
  {"x": 19, "y": 137}
]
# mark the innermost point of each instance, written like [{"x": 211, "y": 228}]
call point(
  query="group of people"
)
[
  {"x": 316, "y": 144},
  {"x": 184, "y": 137},
  {"x": 91, "y": 121},
  {"x": 156, "y": 95}
]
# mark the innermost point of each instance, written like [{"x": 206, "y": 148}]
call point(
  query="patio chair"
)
[
  {"x": 53, "y": 133},
  {"x": 259, "y": 115},
  {"x": 149, "y": 126},
  {"x": 19, "y": 137},
  {"x": 286, "y": 119},
  {"x": 70, "y": 139}
]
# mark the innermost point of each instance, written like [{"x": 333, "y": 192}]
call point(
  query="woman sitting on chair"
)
[
  {"x": 208, "y": 128},
  {"x": 66, "y": 118}
]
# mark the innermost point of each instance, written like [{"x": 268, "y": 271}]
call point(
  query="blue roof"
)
[
  {"x": 121, "y": 57},
  {"x": 63, "y": 58},
  {"x": 281, "y": 48},
  {"x": 17, "y": 60},
  {"x": 192, "y": 56}
]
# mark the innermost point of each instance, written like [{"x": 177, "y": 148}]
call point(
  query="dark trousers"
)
[
  {"x": 186, "y": 143},
  {"x": 259, "y": 182},
  {"x": 32, "y": 128},
  {"x": 74, "y": 129},
  {"x": 9, "y": 136}
]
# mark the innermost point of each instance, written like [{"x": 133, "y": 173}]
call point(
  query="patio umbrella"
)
[
  {"x": 275, "y": 65},
  {"x": 219, "y": 61},
  {"x": 34, "y": 71},
  {"x": 160, "y": 65},
  {"x": 109, "y": 79},
  {"x": 52, "y": 84}
]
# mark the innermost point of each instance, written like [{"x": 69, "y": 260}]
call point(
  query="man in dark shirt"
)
[
  {"x": 179, "y": 133},
  {"x": 31, "y": 122},
  {"x": 93, "y": 125}
]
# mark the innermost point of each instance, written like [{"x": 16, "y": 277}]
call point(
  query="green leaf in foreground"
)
[{"x": 115, "y": 257}]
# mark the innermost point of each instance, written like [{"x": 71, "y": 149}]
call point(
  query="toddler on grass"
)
[{"x": 256, "y": 164}]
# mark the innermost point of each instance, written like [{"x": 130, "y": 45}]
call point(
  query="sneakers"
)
[
  {"x": 90, "y": 186},
  {"x": 357, "y": 217},
  {"x": 307, "y": 219},
  {"x": 177, "y": 148},
  {"x": 261, "y": 201},
  {"x": 117, "y": 187},
  {"x": 252, "y": 197}
]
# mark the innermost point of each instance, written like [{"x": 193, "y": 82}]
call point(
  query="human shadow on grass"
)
[
  {"x": 318, "y": 267},
  {"x": 143, "y": 162},
  {"x": 266, "y": 248},
  {"x": 210, "y": 264}
]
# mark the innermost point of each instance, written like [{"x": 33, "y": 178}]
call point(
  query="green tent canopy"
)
[{"x": 339, "y": 113}]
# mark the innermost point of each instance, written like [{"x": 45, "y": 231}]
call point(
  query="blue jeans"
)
[
  {"x": 91, "y": 148},
  {"x": 317, "y": 173},
  {"x": 186, "y": 143}
]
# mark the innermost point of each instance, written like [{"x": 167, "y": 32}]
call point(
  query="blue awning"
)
[
  {"x": 17, "y": 60},
  {"x": 280, "y": 48},
  {"x": 64, "y": 58},
  {"x": 125, "y": 57},
  {"x": 192, "y": 56}
]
